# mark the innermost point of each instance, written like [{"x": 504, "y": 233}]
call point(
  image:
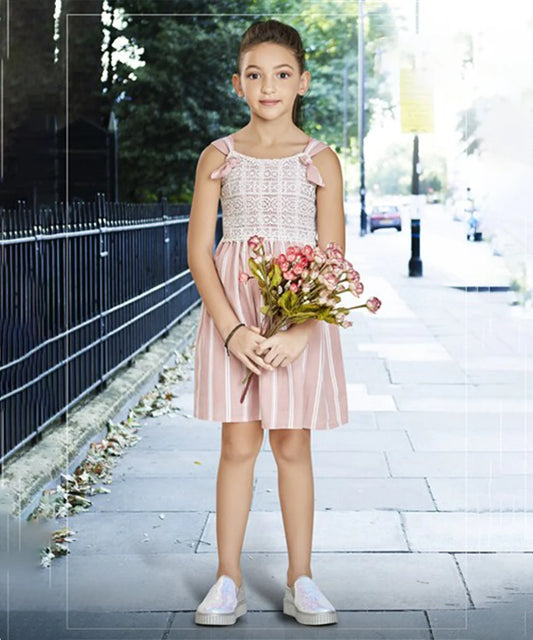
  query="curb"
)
[{"x": 33, "y": 467}]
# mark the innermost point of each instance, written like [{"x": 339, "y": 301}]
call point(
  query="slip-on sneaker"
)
[
  {"x": 223, "y": 604},
  {"x": 305, "y": 602}
]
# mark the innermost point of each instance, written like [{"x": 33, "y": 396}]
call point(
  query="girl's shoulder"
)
[{"x": 225, "y": 145}]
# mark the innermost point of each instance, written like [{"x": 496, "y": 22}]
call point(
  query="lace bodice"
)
[{"x": 270, "y": 197}]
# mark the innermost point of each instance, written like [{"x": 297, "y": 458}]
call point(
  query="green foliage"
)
[{"x": 183, "y": 98}]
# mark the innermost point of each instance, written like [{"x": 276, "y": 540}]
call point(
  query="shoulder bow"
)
[
  {"x": 312, "y": 173},
  {"x": 226, "y": 167}
]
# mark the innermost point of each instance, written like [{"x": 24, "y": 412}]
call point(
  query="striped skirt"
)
[{"x": 309, "y": 393}]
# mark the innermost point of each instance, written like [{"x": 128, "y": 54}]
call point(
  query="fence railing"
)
[{"x": 84, "y": 288}]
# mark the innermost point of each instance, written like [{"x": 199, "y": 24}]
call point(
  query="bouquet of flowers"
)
[{"x": 301, "y": 284}]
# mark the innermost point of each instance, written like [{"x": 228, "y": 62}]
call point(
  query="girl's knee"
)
[
  {"x": 241, "y": 442},
  {"x": 290, "y": 445}
]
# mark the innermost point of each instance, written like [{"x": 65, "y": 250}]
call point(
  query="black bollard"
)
[{"x": 415, "y": 264}]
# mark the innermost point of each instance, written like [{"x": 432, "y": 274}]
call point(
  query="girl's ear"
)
[
  {"x": 305, "y": 80},
  {"x": 236, "y": 81}
]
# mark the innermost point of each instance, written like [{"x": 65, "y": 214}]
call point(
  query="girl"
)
[{"x": 267, "y": 176}]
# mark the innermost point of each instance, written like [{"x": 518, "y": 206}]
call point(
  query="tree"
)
[
  {"x": 182, "y": 98},
  {"x": 30, "y": 77},
  {"x": 83, "y": 46}
]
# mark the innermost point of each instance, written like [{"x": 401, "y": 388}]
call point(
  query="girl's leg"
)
[
  {"x": 292, "y": 451},
  {"x": 241, "y": 443}
]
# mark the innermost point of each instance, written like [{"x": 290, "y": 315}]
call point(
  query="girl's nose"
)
[{"x": 268, "y": 86}]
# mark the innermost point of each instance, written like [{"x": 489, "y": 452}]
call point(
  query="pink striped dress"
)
[{"x": 274, "y": 198}]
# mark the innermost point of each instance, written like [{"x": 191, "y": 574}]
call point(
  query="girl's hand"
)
[
  {"x": 285, "y": 346},
  {"x": 243, "y": 345}
]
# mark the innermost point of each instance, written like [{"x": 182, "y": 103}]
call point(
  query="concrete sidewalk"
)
[{"x": 424, "y": 501}]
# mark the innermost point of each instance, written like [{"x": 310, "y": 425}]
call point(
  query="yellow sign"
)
[{"x": 416, "y": 101}]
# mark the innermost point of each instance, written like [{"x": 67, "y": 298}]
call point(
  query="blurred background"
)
[
  {"x": 105, "y": 106},
  {"x": 132, "y": 90}
]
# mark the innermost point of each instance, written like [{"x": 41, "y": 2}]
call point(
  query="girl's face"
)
[{"x": 270, "y": 79}]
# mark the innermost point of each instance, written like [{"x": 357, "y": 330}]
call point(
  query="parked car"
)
[{"x": 384, "y": 215}]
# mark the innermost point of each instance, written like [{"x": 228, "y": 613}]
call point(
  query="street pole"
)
[
  {"x": 415, "y": 263},
  {"x": 345, "y": 127},
  {"x": 361, "y": 112}
]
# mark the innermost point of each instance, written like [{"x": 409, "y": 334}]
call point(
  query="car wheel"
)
[
  {"x": 399, "y": 228},
  {"x": 371, "y": 229}
]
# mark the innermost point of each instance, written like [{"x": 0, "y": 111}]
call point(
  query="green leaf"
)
[
  {"x": 276, "y": 276},
  {"x": 255, "y": 270}
]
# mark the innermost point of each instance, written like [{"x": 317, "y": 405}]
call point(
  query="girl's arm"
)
[
  {"x": 330, "y": 200},
  {"x": 282, "y": 348},
  {"x": 200, "y": 239}
]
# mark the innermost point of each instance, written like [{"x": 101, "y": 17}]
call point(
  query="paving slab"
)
[
  {"x": 166, "y": 433},
  {"x": 352, "y": 625},
  {"x": 354, "y": 494},
  {"x": 494, "y": 578},
  {"x": 416, "y": 372},
  {"x": 449, "y": 420},
  {"x": 176, "y": 582},
  {"x": 470, "y": 438},
  {"x": 343, "y": 440},
  {"x": 513, "y": 619},
  {"x": 360, "y": 420},
  {"x": 76, "y": 625},
  {"x": 110, "y": 582},
  {"x": 509, "y": 493},
  {"x": 463, "y": 404},
  {"x": 421, "y": 390},
  {"x": 501, "y": 363},
  {"x": 414, "y": 351},
  {"x": 469, "y": 531},
  {"x": 471, "y": 464},
  {"x": 137, "y": 533},
  {"x": 341, "y": 464},
  {"x": 359, "y": 399},
  {"x": 158, "y": 494},
  {"x": 335, "y": 531}
]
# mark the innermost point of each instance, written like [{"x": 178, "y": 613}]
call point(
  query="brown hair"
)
[{"x": 279, "y": 33}]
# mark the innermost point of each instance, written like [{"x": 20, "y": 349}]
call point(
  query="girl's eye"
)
[{"x": 254, "y": 73}]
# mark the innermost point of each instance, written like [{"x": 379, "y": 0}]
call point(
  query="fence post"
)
[
  {"x": 102, "y": 285},
  {"x": 166, "y": 240}
]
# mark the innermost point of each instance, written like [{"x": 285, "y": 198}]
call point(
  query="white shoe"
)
[
  {"x": 305, "y": 602},
  {"x": 223, "y": 604}
]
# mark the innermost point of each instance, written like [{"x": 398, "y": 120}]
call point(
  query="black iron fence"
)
[{"x": 84, "y": 288}]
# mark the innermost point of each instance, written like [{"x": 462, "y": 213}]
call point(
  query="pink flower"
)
[
  {"x": 255, "y": 242},
  {"x": 308, "y": 252},
  {"x": 244, "y": 277},
  {"x": 320, "y": 256},
  {"x": 353, "y": 275},
  {"x": 334, "y": 252},
  {"x": 359, "y": 288},
  {"x": 298, "y": 269},
  {"x": 330, "y": 280},
  {"x": 292, "y": 252},
  {"x": 289, "y": 274},
  {"x": 373, "y": 304},
  {"x": 293, "y": 287}
]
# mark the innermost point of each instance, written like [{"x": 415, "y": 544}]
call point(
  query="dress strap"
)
[
  {"x": 312, "y": 173},
  {"x": 225, "y": 145}
]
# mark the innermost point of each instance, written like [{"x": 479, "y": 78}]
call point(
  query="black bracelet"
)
[{"x": 241, "y": 324}]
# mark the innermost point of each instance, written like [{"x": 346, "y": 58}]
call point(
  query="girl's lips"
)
[{"x": 269, "y": 102}]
